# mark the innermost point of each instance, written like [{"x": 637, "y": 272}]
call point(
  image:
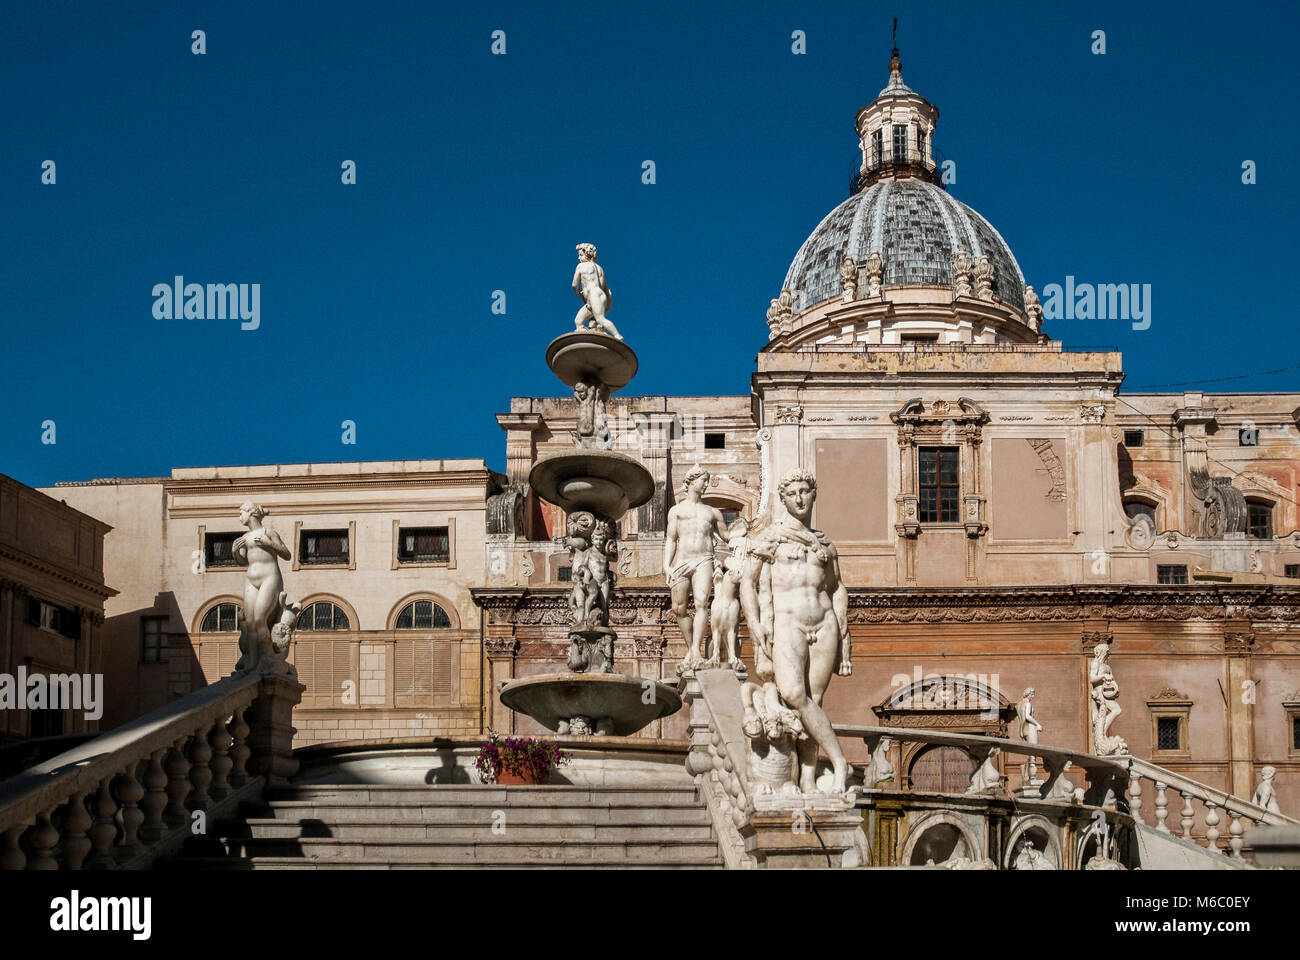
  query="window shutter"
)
[
  {"x": 33, "y": 611},
  {"x": 444, "y": 669}
]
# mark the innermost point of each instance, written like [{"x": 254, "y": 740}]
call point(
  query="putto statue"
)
[
  {"x": 266, "y": 627},
  {"x": 592, "y": 550},
  {"x": 1105, "y": 704},
  {"x": 874, "y": 268},
  {"x": 849, "y": 278},
  {"x": 984, "y": 273},
  {"x": 1266, "y": 794},
  {"x": 691, "y": 529},
  {"x": 589, "y": 284},
  {"x": 1033, "y": 310},
  {"x": 796, "y": 607}
]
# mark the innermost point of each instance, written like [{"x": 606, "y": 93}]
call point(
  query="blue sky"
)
[{"x": 478, "y": 173}]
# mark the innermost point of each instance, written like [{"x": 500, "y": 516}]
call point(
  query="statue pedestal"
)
[
  {"x": 271, "y": 730},
  {"x": 822, "y": 835}
]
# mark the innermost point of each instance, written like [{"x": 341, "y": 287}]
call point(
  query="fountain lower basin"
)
[{"x": 614, "y": 703}]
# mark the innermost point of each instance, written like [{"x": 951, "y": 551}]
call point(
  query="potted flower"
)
[{"x": 517, "y": 760}]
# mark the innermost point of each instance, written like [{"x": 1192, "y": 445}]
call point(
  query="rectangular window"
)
[
  {"x": 1167, "y": 734},
  {"x": 1259, "y": 521},
  {"x": 937, "y": 485},
  {"x": 900, "y": 143},
  {"x": 218, "y": 549},
  {"x": 564, "y": 574},
  {"x": 323, "y": 546},
  {"x": 1295, "y": 733},
  {"x": 877, "y": 140},
  {"x": 715, "y": 441},
  {"x": 1134, "y": 438},
  {"x": 423, "y": 545},
  {"x": 153, "y": 639},
  {"x": 50, "y": 616},
  {"x": 1292, "y": 570},
  {"x": 920, "y": 143},
  {"x": 922, "y": 338},
  {"x": 1171, "y": 573}
]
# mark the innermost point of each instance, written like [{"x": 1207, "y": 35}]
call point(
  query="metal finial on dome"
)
[{"x": 895, "y": 62}]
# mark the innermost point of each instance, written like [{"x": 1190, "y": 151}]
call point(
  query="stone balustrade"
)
[
  {"x": 137, "y": 792},
  {"x": 719, "y": 757},
  {"x": 1202, "y": 810}
]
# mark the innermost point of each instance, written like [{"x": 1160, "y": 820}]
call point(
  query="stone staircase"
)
[{"x": 371, "y": 826}]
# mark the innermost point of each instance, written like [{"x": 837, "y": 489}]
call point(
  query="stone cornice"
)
[{"x": 32, "y": 563}]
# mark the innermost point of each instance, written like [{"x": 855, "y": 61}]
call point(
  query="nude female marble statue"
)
[
  {"x": 590, "y": 286},
  {"x": 796, "y": 606},
  {"x": 691, "y": 529},
  {"x": 264, "y": 598},
  {"x": 1029, "y": 725}
]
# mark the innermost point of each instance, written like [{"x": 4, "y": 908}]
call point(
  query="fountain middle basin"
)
[{"x": 555, "y": 698}]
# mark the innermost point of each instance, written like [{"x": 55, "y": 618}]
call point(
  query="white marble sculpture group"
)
[{"x": 1105, "y": 704}]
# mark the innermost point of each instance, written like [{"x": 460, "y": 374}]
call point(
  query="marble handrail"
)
[{"x": 114, "y": 799}]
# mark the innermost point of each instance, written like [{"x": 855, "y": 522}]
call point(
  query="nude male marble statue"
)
[
  {"x": 692, "y": 526},
  {"x": 590, "y": 286}
]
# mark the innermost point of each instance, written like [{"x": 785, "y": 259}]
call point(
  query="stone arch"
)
[
  {"x": 939, "y": 836},
  {"x": 1044, "y": 834}
]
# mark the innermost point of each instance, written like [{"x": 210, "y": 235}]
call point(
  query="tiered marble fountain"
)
[{"x": 595, "y": 486}]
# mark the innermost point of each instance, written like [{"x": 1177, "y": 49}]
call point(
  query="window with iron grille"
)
[
  {"x": 218, "y": 549},
  {"x": 715, "y": 441},
  {"x": 153, "y": 639},
  {"x": 1171, "y": 573},
  {"x": 422, "y": 615},
  {"x": 220, "y": 619},
  {"x": 1259, "y": 522},
  {"x": 564, "y": 574},
  {"x": 323, "y": 546},
  {"x": 1134, "y": 438},
  {"x": 1168, "y": 734},
  {"x": 1292, "y": 570},
  {"x": 937, "y": 485},
  {"x": 900, "y": 143},
  {"x": 423, "y": 545},
  {"x": 323, "y": 615}
]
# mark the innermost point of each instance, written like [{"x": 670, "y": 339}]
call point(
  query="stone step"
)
[
  {"x": 468, "y": 852},
  {"x": 297, "y": 863},
  {"x": 478, "y": 830},
  {"x": 417, "y": 811},
  {"x": 488, "y": 795}
]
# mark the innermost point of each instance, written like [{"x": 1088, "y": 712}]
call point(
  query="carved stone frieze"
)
[
  {"x": 500, "y": 646},
  {"x": 1052, "y": 463}
]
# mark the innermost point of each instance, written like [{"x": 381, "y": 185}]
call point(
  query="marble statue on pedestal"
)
[
  {"x": 796, "y": 607},
  {"x": 874, "y": 268},
  {"x": 724, "y": 612},
  {"x": 1029, "y": 730},
  {"x": 1266, "y": 794},
  {"x": 1105, "y": 704},
  {"x": 849, "y": 279},
  {"x": 590, "y": 286},
  {"x": 691, "y": 529},
  {"x": 266, "y": 624}
]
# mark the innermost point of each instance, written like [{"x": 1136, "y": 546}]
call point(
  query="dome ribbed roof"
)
[{"x": 918, "y": 229}]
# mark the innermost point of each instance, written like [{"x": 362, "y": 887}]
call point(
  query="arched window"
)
[
  {"x": 1140, "y": 508},
  {"x": 324, "y": 615},
  {"x": 220, "y": 619},
  {"x": 422, "y": 615}
]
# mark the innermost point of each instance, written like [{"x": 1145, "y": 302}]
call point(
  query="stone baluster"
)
[
  {"x": 1235, "y": 831},
  {"x": 74, "y": 843},
  {"x": 129, "y": 792},
  {"x": 104, "y": 832},
  {"x": 220, "y": 764},
  {"x": 42, "y": 839},
  {"x": 11, "y": 855},
  {"x": 1162, "y": 807},
  {"x": 178, "y": 784},
  {"x": 1211, "y": 825},
  {"x": 1135, "y": 795},
  {"x": 200, "y": 769},
  {"x": 239, "y": 749},
  {"x": 155, "y": 798},
  {"x": 1186, "y": 815}
]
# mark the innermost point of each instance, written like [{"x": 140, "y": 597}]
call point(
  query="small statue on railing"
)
[
  {"x": 879, "y": 769},
  {"x": 1266, "y": 793},
  {"x": 986, "y": 778},
  {"x": 1029, "y": 730},
  {"x": 984, "y": 273},
  {"x": 961, "y": 275},
  {"x": 874, "y": 268},
  {"x": 266, "y": 628},
  {"x": 590, "y": 286},
  {"x": 1033, "y": 310},
  {"x": 1105, "y": 704},
  {"x": 849, "y": 279}
]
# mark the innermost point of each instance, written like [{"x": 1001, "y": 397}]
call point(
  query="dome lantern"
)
[{"x": 896, "y": 132}]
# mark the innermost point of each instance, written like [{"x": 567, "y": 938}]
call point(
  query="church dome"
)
[{"x": 916, "y": 227}]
